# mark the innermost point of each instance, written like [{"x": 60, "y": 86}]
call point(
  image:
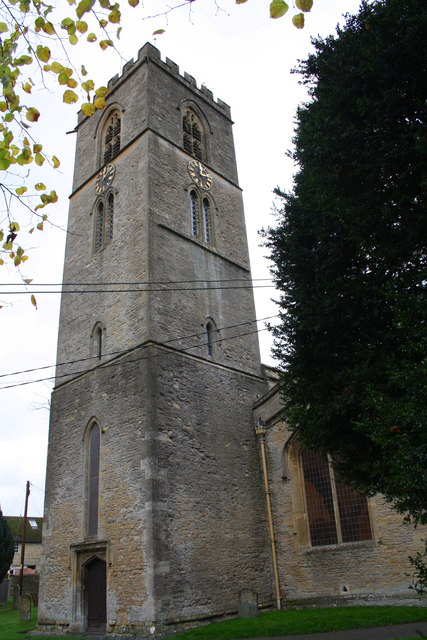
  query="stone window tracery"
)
[
  {"x": 104, "y": 222},
  {"x": 201, "y": 219},
  {"x": 111, "y": 137},
  {"x": 192, "y": 134},
  {"x": 207, "y": 223},
  {"x": 336, "y": 513}
]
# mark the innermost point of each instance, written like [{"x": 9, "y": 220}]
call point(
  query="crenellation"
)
[
  {"x": 112, "y": 81},
  {"x": 172, "y": 66},
  {"x": 190, "y": 79}
]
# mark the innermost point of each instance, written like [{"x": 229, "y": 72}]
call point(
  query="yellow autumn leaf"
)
[
  {"x": 40, "y": 226},
  {"x": 73, "y": 39},
  {"x": 298, "y": 20},
  {"x": 88, "y": 85},
  {"x": 99, "y": 103},
  {"x": 32, "y": 114},
  {"x": 104, "y": 44},
  {"x": 27, "y": 87},
  {"x": 133, "y": 3},
  {"x": 48, "y": 28},
  {"x": 37, "y": 148},
  {"x": 43, "y": 53},
  {"x": 33, "y": 301},
  {"x": 91, "y": 37},
  {"x": 88, "y": 109},
  {"x": 56, "y": 67},
  {"x": 72, "y": 83},
  {"x": 83, "y": 7},
  {"x": 101, "y": 92},
  {"x": 39, "y": 159},
  {"x": 278, "y": 8},
  {"x": 114, "y": 16},
  {"x": 81, "y": 26},
  {"x": 3, "y": 27},
  {"x": 20, "y": 190},
  {"x": 304, "y": 5},
  {"x": 83, "y": 70},
  {"x": 14, "y": 226},
  {"x": 55, "y": 162},
  {"x": 39, "y": 186},
  {"x": 70, "y": 97},
  {"x": 158, "y": 32}
]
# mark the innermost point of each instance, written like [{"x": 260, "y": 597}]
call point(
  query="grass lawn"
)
[
  {"x": 274, "y": 623},
  {"x": 279, "y": 623}
]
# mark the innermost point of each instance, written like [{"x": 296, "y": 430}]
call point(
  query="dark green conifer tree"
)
[
  {"x": 7, "y": 547},
  {"x": 351, "y": 259}
]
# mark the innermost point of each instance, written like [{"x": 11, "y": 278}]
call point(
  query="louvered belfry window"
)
[
  {"x": 112, "y": 137},
  {"x": 336, "y": 512},
  {"x": 192, "y": 134}
]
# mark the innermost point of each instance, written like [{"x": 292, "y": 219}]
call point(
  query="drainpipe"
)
[{"x": 260, "y": 430}]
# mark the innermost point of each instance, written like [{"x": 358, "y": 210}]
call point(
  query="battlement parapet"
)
[{"x": 150, "y": 52}]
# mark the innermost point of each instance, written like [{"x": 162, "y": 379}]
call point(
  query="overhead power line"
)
[
  {"x": 124, "y": 352},
  {"x": 121, "y": 363}
]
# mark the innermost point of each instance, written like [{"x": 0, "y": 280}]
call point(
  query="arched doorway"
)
[{"x": 95, "y": 589}]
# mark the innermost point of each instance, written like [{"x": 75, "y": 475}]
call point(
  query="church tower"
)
[{"x": 154, "y": 516}]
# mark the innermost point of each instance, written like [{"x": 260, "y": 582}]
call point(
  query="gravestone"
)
[
  {"x": 248, "y": 604},
  {"x": 26, "y": 607},
  {"x": 4, "y": 591},
  {"x": 15, "y": 602}
]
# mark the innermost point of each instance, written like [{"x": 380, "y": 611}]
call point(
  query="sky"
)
[{"x": 246, "y": 59}]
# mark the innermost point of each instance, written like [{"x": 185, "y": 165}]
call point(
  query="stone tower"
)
[{"x": 154, "y": 515}]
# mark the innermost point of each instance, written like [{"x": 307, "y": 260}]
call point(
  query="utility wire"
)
[
  {"x": 81, "y": 291},
  {"x": 115, "y": 363},
  {"x": 123, "y": 352},
  {"x": 150, "y": 282}
]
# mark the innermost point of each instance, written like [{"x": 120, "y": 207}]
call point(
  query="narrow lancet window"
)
[
  {"x": 99, "y": 230},
  {"x": 209, "y": 338},
  {"x": 110, "y": 216},
  {"x": 97, "y": 342},
  {"x": 194, "y": 214},
  {"x": 93, "y": 481},
  {"x": 207, "y": 231},
  {"x": 112, "y": 137}
]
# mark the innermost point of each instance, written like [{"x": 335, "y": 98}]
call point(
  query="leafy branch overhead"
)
[{"x": 35, "y": 39}]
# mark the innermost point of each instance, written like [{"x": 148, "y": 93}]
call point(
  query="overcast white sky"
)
[{"x": 245, "y": 58}]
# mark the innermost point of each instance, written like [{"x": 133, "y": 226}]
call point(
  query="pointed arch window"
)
[
  {"x": 192, "y": 131},
  {"x": 97, "y": 341},
  {"x": 104, "y": 222},
  {"x": 336, "y": 512},
  {"x": 99, "y": 226},
  {"x": 194, "y": 213},
  {"x": 110, "y": 213},
  {"x": 201, "y": 217},
  {"x": 111, "y": 137},
  {"x": 209, "y": 338},
  {"x": 206, "y": 206},
  {"x": 92, "y": 498}
]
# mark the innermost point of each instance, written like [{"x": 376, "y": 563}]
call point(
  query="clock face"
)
[
  {"x": 199, "y": 174},
  {"x": 105, "y": 178}
]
